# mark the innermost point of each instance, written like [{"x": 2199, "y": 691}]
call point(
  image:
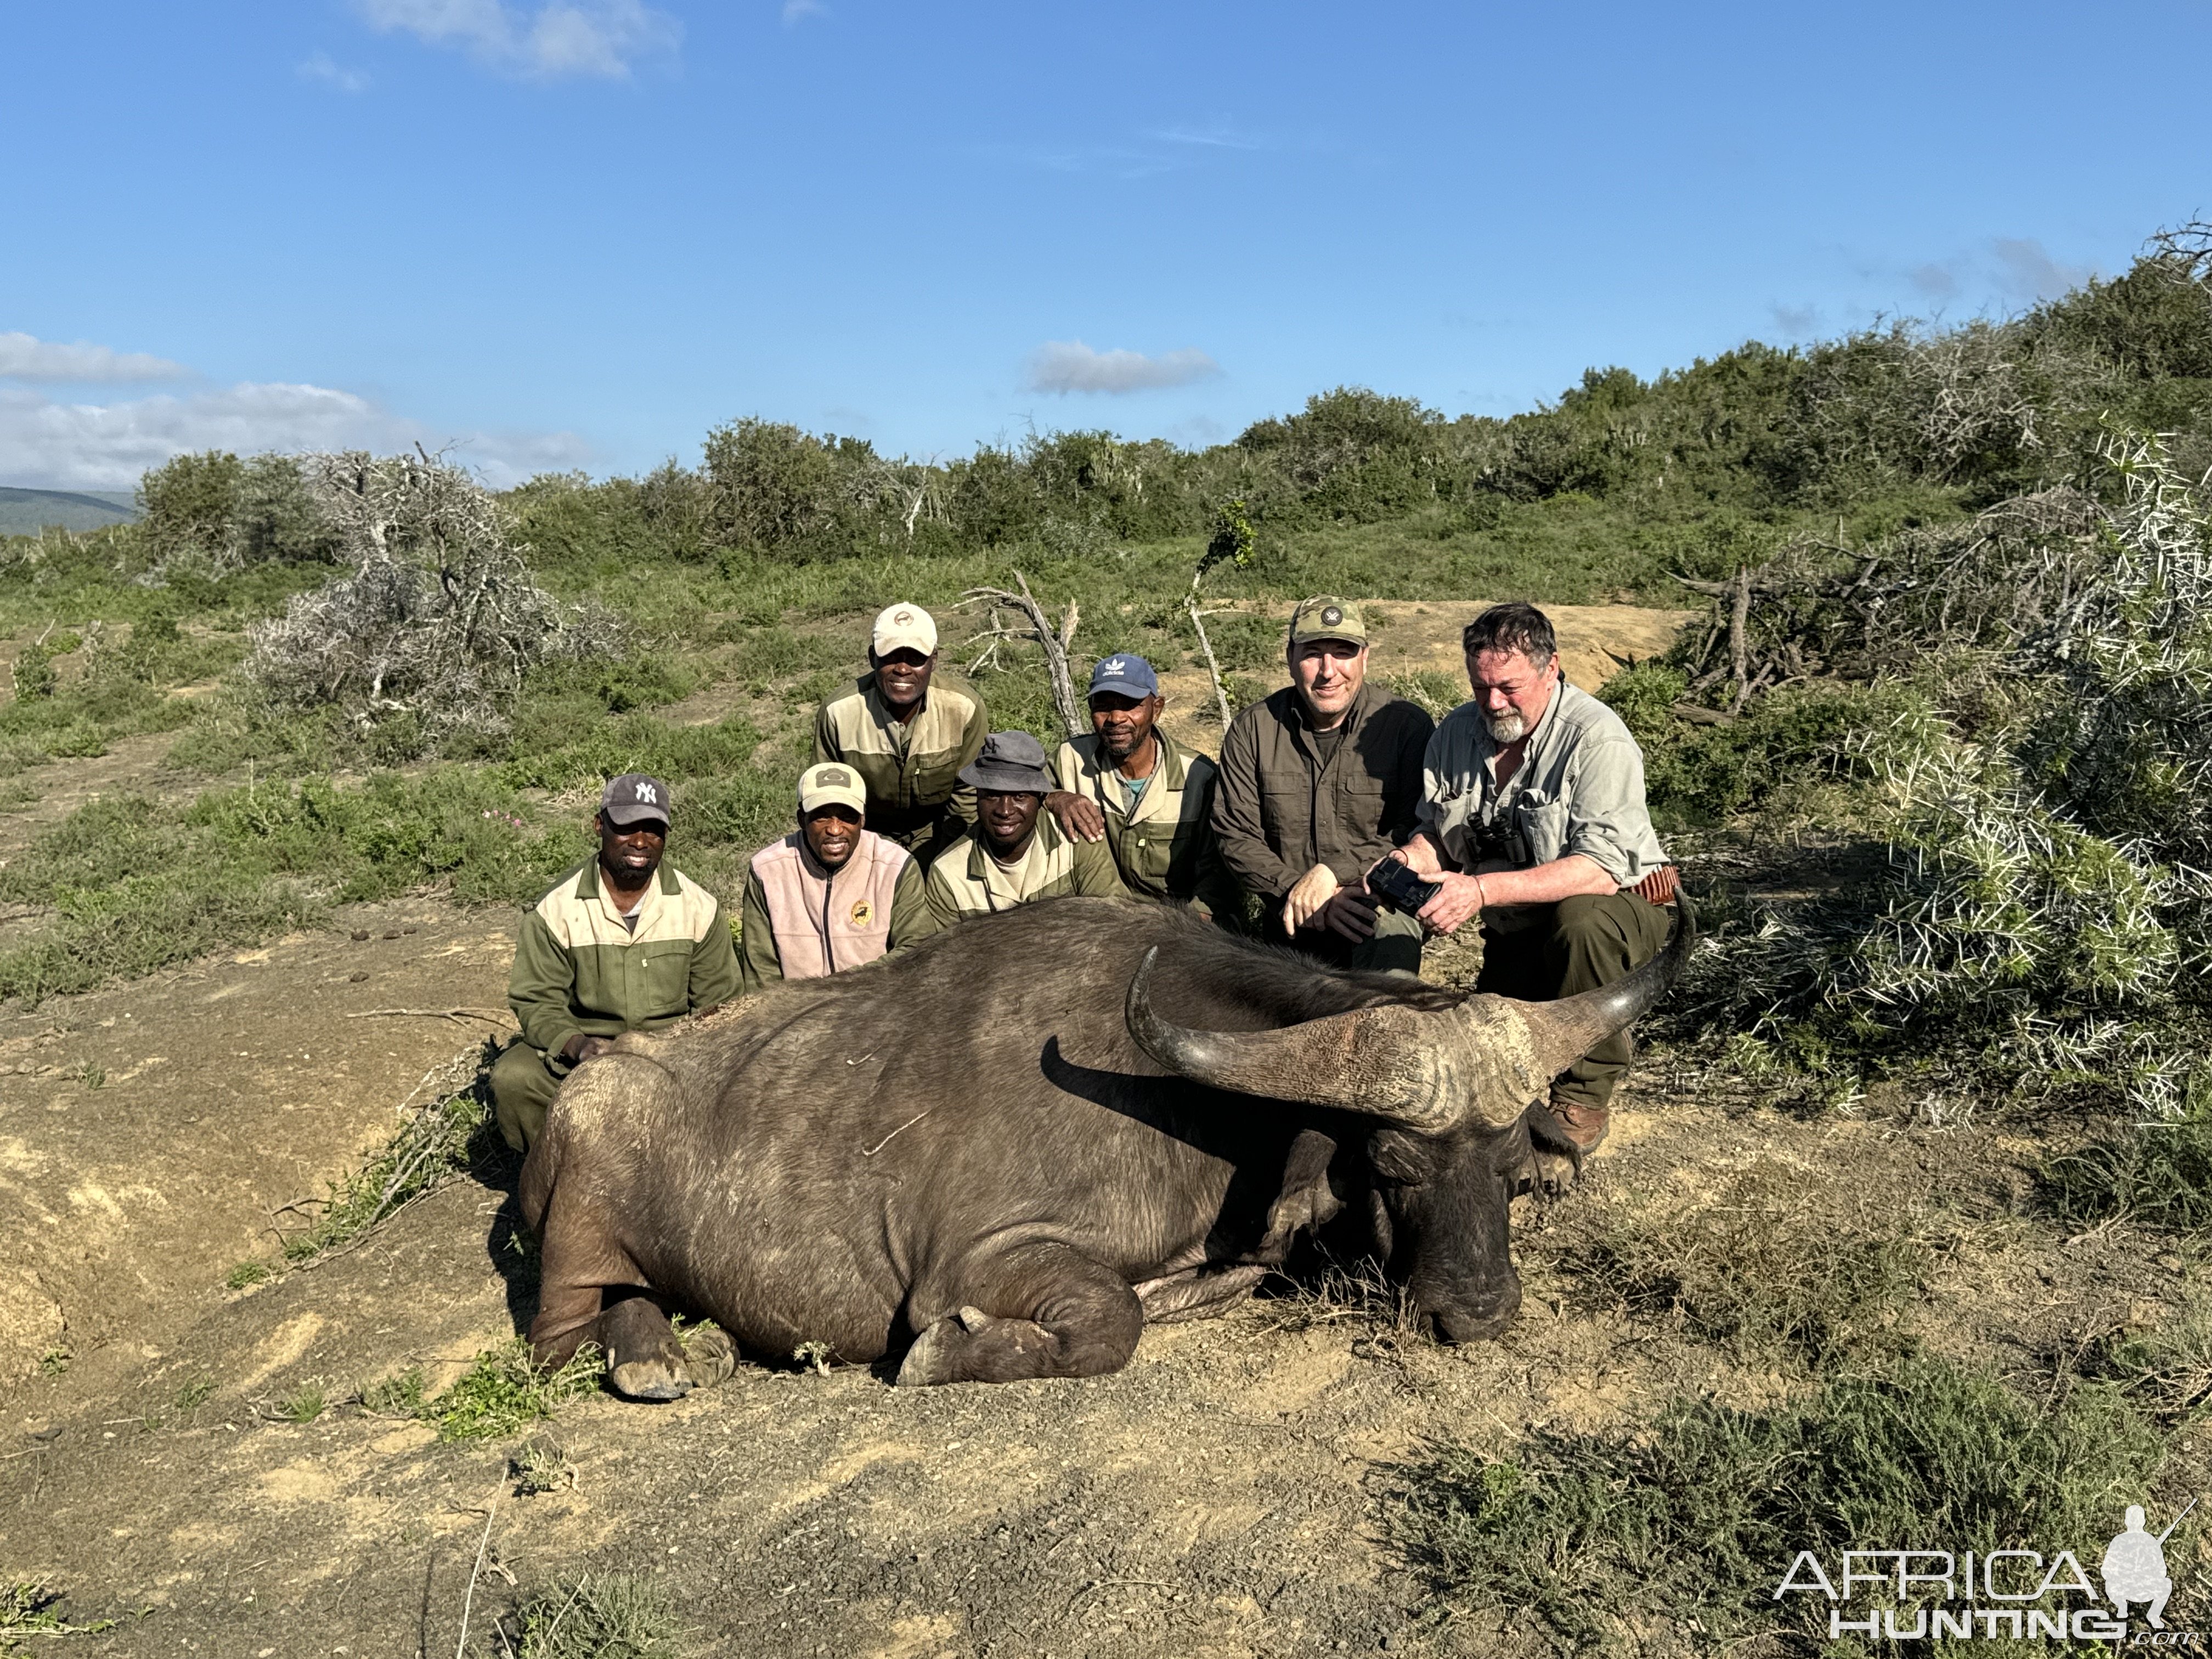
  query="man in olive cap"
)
[
  {"x": 1318, "y": 782},
  {"x": 622, "y": 942},
  {"x": 1015, "y": 854},
  {"x": 1129, "y": 784},
  {"x": 833, "y": 895},
  {"x": 907, "y": 727}
]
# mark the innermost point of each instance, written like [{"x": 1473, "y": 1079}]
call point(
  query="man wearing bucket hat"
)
[
  {"x": 622, "y": 942},
  {"x": 907, "y": 727},
  {"x": 1015, "y": 854},
  {"x": 1318, "y": 782},
  {"x": 1129, "y": 784},
  {"x": 834, "y": 895}
]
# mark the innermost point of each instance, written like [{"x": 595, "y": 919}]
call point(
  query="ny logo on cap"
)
[
  {"x": 647, "y": 794},
  {"x": 1331, "y": 616}
]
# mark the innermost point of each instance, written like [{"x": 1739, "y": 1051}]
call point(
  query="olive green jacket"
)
[
  {"x": 1165, "y": 849},
  {"x": 1278, "y": 810},
  {"x": 967, "y": 881},
  {"x": 578, "y": 969},
  {"x": 912, "y": 771}
]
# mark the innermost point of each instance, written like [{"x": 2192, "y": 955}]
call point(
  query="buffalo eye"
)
[{"x": 1400, "y": 1158}]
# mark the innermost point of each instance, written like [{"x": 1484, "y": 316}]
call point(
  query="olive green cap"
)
[{"x": 1327, "y": 618}]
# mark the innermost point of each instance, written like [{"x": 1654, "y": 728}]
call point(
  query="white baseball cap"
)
[
  {"x": 904, "y": 628},
  {"x": 830, "y": 783}
]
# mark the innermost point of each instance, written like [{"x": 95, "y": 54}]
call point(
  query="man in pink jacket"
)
[{"x": 834, "y": 895}]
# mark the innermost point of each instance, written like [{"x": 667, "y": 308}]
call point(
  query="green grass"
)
[
  {"x": 1767, "y": 1266},
  {"x": 245, "y": 1275},
  {"x": 399, "y": 1395},
  {"x": 614, "y": 1615},
  {"x": 304, "y": 1404},
  {"x": 502, "y": 1391},
  {"x": 1582, "y": 1540}
]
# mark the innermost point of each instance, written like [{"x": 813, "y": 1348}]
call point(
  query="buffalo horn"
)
[
  {"x": 1560, "y": 1033},
  {"x": 1388, "y": 1061}
]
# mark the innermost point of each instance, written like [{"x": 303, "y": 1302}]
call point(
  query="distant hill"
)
[{"x": 26, "y": 512}]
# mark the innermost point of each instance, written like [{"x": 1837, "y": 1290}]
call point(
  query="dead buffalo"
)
[{"x": 1014, "y": 1145}]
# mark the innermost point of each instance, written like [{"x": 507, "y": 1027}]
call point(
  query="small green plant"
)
[
  {"x": 540, "y": 1466},
  {"x": 616, "y": 1615},
  {"x": 193, "y": 1393},
  {"x": 31, "y": 1607},
  {"x": 92, "y": 1076},
  {"x": 54, "y": 1362},
  {"x": 815, "y": 1355},
  {"x": 503, "y": 1390},
  {"x": 399, "y": 1395},
  {"x": 304, "y": 1404},
  {"x": 245, "y": 1275}
]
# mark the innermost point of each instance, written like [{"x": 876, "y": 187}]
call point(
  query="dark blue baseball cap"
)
[{"x": 1125, "y": 676}]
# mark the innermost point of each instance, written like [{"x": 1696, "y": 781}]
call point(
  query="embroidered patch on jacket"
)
[{"x": 863, "y": 913}]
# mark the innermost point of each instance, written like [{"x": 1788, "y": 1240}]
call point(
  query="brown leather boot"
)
[{"x": 1582, "y": 1126}]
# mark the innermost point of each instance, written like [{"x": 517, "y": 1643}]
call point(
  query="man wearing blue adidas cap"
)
[{"x": 1130, "y": 785}]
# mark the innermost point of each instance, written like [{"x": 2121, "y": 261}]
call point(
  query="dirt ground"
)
[{"x": 1230, "y": 1493}]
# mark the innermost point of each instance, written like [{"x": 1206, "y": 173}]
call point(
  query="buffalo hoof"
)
[
  {"x": 710, "y": 1357},
  {"x": 937, "y": 1352},
  {"x": 655, "y": 1379}
]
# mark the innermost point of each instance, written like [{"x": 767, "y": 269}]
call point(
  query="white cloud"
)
[
  {"x": 2031, "y": 273},
  {"x": 796, "y": 12},
  {"x": 63, "y": 446},
  {"x": 1065, "y": 365},
  {"x": 320, "y": 68},
  {"x": 23, "y": 357},
  {"x": 603, "y": 38}
]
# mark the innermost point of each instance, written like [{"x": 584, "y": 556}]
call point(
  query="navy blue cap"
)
[{"x": 1125, "y": 676}]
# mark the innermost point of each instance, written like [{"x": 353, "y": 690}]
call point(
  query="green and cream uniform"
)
[
  {"x": 582, "y": 966},
  {"x": 968, "y": 881},
  {"x": 912, "y": 769},
  {"x": 1160, "y": 828}
]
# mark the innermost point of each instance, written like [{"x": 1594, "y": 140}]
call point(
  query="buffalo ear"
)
[
  {"x": 1307, "y": 1200},
  {"x": 1398, "y": 1156}
]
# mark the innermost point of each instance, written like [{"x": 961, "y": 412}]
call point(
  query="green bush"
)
[{"x": 1582, "y": 1540}]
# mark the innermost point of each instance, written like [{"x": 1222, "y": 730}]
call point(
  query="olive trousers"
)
[
  {"x": 1587, "y": 941},
  {"x": 522, "y": 1090}
]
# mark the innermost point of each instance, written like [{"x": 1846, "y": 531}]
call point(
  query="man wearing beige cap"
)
[
  {"x": 833, "y": 895},
  {"x": 1317, "y": 783},
  {"x": 622, "y": 942},
  {"x": 1015, "y": 854},
  {"x": 907, "y": 728}
]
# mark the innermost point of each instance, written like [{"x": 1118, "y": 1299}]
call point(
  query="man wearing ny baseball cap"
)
[
  {"x": 1128, "y": 783},
  {"x": 907, "y": 727},
  {"x": 833, "y": 895},
  {"x": 623, "y": 942}
]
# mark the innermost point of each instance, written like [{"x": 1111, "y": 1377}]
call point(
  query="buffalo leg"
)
[
  {"x": 1043, "y": 1311},
  {"x": 1200, "y": 1293}
]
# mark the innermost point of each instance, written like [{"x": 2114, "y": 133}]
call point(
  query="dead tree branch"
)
[{"x": 1039, "y": 630}]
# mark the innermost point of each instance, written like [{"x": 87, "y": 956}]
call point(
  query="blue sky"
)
[{"x": 577, "y": 234}]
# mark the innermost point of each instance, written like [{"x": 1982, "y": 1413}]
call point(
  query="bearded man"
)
[
  {"x": 833, "y": 895},
  {"x": 1533, "y": 818}
]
